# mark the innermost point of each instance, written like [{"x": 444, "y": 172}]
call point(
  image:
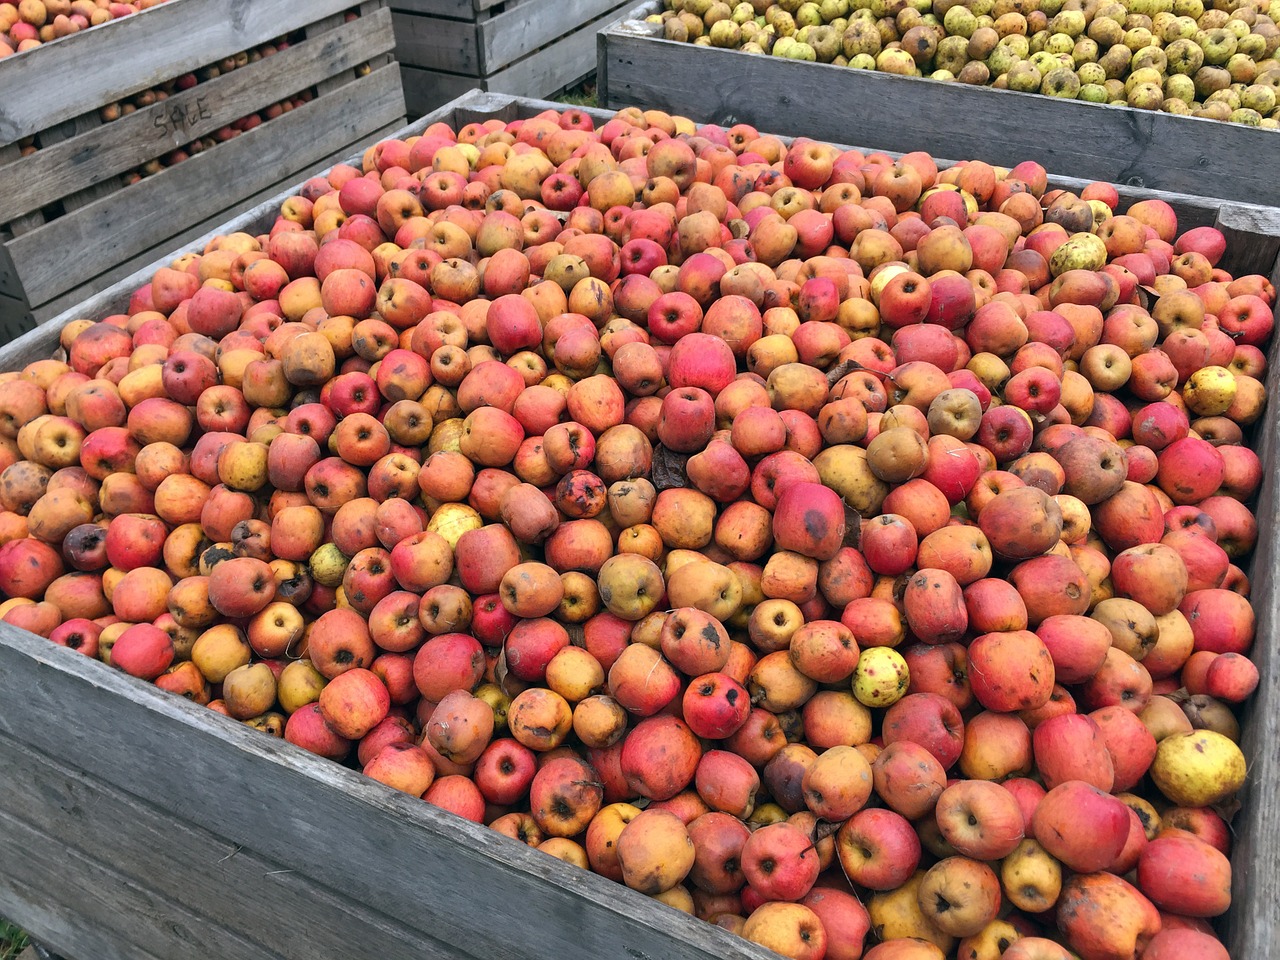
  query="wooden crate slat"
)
[
  {"x": 207, "y": 182},
  {"x": 158, "y": 44},
  {"x": 73, "y": 198},
  {"x": 108, "y": 149},
  {"x": 44, "y": 917},
  {"x": 556, "y": 66},
  {"x": 1121, "y": 145},
  {"x": 127, "y": 910},
  {"x": 523, "y": 29},
  {"x": 419, "y": 865},
  {"x": 474, "y": 10},
  {"x": 109, "y": 826},
  {"x": 455, "y": 9},
  {"x": 16, "y": 317},
  {"x": 437, "y": 44},
  {"x": 320, "y": 28},
  {"x": 427, "y": 90}
]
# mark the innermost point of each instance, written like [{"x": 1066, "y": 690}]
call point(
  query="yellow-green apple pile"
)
[
  {"x": 1215, "y": 60},
  {"x": 839, "y": 549},
  {"x": 27, "y": 24}
]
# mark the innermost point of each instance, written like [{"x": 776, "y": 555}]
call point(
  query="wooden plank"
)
[
  {"x": 420, "y": 866},
  {"x": 102, "y": 153},
  {"x": 1121, "y": 145},
  {"x": 512, "y": 34},
  {"x": 145, "y": 50},
  {"x": 455, "y": 9},
  {"x": 16, "y": 317},
  {"x": 105, "y": 897},
  {"x": 556, "y": 66},
  {"x": 201, "y": 186},
  {"x": 436, "y": 44},
  {"x": 45, "y": 918},
  {"x": 110, "y": 826},
  {"x": 427, "y": 90},
  {"x": 76, "y": 196},
  {"x": 319, "y": 29}
]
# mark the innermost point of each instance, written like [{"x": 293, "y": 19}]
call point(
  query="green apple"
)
[
  {"x": 1184, "y": 56},
  {"x": 1259, "y": 97},
  {"x": 1085, "y": 51},
  {"x": 1080, "y": 251},
  {"x": 960, "y": 21},
  {"x": 1024, "y": 77},
  {"x": 1061, "y": 82},
  {"x": 1180, "y": 87}
]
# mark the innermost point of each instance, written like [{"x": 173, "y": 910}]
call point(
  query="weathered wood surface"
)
[
  {"x": 399, "y": 865},
  {"x": 557, "y": 65},
  {"x": 17, "y": 317},
  {"x": 101, "y": 153},
  {"x": 67, "y": 810},
  {"x": 455, "y": 9},
  {"x": 428, "y": 90},
  {"x": 392, "y": 857},
  {"x": 131, "y": 221},
  {"x": 1122, "y": 145},
  {"x": 436, "y": 44},
  {"x": 533, "y": 24},
  {"x": 156, "y": 45},
  {"x": 552, "y": 68}
]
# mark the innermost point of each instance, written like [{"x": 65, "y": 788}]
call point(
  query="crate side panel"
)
[
  {"x": 436, "y": 44},
  {"x": 427, "y": 90},
  {"x": 99, "y": 154},
  {"x": 556, "y": 66},
  {"x": 157, "y": 45},
  {"x": 524, "y": 28},
  {"x": 196, "y": 869}
]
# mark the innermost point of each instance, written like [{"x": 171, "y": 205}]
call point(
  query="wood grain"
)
[
  {"x": 204, "y": 184},
  {"x": 103, "y": 152},
  {"x": 533, "y": 24},
  {"x": 108, "y": 827},
  {"x": 1122, "y": 145},
  {"x": 556, "y": 66},
  {"x": 437, "y": 44},
  {"x": 389, "y": 852},
  {"x": 107, "y": 896},
  {"x": 156, "y": 45}
]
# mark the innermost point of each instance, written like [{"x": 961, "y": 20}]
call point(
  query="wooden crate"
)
[
  {"x": 69, "y": 195},
  {"x": 528, "y": 48},
  {"x": 137, "y": 826},
  {"x": 1122, "y": 145}
]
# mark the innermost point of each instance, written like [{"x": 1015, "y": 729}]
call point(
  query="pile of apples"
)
[
  {"x": 1215, "y": 60},
  {"x": 836, "y": 548},
  {"x": 27, "y": 24}
]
